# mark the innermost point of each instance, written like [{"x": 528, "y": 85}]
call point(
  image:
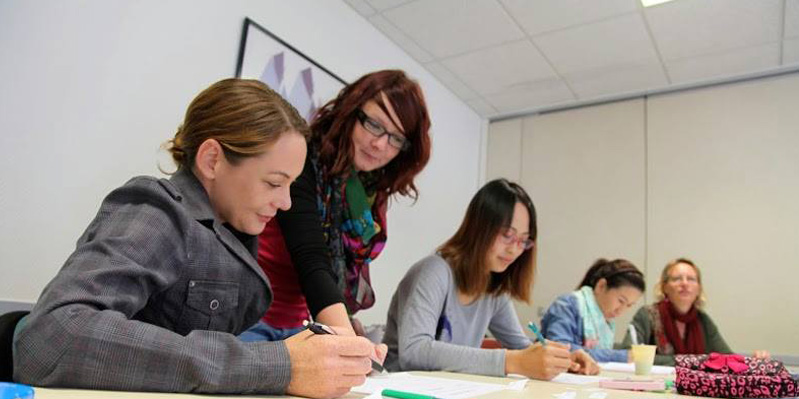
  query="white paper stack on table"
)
[
  {"x": 433, "y": 386},
  {"x": 630, "y": 368}
]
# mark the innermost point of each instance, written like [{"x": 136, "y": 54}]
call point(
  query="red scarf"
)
[{"x": 694, "y": 342}]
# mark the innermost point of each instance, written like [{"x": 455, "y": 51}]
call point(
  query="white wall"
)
[
  {"x": 710, "y": 174},
  {"x": 724, "y": 191},
  {"x": 504, "y": 149},
  {"x": 92, "y": 88},
  {"x": 585, "y": 171}
]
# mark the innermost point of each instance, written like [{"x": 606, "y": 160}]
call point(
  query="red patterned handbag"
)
[{"x": 733, "y": 376}]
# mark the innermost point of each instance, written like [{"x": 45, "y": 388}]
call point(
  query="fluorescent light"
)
[{"x": 650, "y": 3}]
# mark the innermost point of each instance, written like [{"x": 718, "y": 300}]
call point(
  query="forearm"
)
[
  {"x": 562, "y": 322},
  {"x": 301, "y": 227},
  {"x": 336, "y": 315},
  {"x": 436, "y": 355},
  {"x": 79, "y": 347},
  {"x": 506, "y": 328},
  {"x": 320, "y": 290},
  {"x": 608, "y": 355},
  {"x": 513, "y": 362},
  {"x": 714, "y": 341}
]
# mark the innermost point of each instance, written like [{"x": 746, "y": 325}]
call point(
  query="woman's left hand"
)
[
  {"x": 762, "y": 354},
  {"x": 583, "y": 363}
]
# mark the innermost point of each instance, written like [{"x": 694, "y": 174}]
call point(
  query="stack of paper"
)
[
  {"x": 630, "y": 368},
  {"x": 437, "y": 387}
]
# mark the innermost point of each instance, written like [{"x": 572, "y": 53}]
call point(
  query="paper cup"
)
[{"x": 644, "y": 357}]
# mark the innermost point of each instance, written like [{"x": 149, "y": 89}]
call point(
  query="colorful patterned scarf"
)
[
  {"x": 354, "y": 223},
  {"x": 598, "y": 333}
]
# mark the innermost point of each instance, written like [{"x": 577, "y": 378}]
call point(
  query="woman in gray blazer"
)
[{"x": 165, "y": 277}]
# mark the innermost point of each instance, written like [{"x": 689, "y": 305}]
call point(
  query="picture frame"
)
[{"x": 305, "y": 83}]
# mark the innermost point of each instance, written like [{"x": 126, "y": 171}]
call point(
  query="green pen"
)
[
  {"x": 537, "y": 333},
  {"x": 405, "y": 395}
]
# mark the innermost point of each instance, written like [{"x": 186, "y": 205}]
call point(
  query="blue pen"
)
[{"x": 537, "y": 333}]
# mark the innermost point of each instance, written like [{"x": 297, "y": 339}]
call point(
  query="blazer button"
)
[{"x": 214, "y": 304}]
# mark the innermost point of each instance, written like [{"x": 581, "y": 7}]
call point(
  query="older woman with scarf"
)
[
  {"x": 367, "y": 144},
  {"x": 584, "y": 318},
  {"x": 676, "y": 323}
]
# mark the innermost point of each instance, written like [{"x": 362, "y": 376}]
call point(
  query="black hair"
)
[{"x": 617, "y": 273}]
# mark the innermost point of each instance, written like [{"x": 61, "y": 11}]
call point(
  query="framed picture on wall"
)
[{"x": 299, "y": 79}]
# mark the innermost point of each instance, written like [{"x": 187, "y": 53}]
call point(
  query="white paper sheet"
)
[
  {"x": 565, "y": 395},
  {"x": 517, "y": 385},
  {"x": 630, "y": 368},
  {"x": 577, "y": 379},
  {"x": 438, "y": 387}
]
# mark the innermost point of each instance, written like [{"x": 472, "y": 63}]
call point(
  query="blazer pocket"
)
[{"x": 211, "y": 305}]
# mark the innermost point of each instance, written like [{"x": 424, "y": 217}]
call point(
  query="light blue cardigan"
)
[{"x": 563, "y": 323}]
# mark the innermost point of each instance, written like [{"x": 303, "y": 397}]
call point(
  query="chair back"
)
[{"x": 8, "y": 322}]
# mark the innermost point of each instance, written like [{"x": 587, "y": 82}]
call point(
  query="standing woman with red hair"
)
[{"x": 366, "y": 145}]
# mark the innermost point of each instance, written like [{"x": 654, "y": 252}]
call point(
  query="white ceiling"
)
[{"x": 506, "y": 57}]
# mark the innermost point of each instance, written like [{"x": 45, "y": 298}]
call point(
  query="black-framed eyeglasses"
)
[
  {"x": 509, "y": 237},
  {"x": 374, "y": 127}
]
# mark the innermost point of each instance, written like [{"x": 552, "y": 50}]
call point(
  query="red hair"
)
[{"x": 332, "y": 126}]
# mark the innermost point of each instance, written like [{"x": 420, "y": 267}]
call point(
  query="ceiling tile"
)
[
  {"x": 726, "y": 64},
  {"x": 361, "y": 7},
  {"x": 481, "y": 107},
  {"x": 616, "y": 80},
  {"x": 790, "y": 52},
  {"x": 452, "y": 82},
  {"x": 540, "y": 94},
  {"x": 689, "y": 28},
  {"x": 400, "y": 39},
  {"x": 791, "y": 18},
  {"x": 540, "y": 16},
  {"x": 448, "y": 27},
  {"x": 497, "y": 69},
  {"x": 385, "y": 4},
  {"x": 618, "y": 41},
  {"x": 582, "y": 49}
]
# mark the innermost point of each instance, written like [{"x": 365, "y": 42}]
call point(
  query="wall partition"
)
[{"x": 711, "y": 174}]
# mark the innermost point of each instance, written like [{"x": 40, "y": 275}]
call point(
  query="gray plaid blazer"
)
[{"x": 152, "y": 300}]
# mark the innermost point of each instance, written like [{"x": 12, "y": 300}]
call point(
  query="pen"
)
[
  {"x": 321, "y": 329},
  {"x": 537, "y": 333},
  {"x": 633, "y": 334},
  {"x": 405, "y": 395}
]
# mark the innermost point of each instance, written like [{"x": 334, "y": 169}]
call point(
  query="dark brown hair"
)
[
  {"x": 244, "y": 116},
  {"x": 617, "y": 273},
  {"x": 333, "y": 124},
  {"x": 489, "y": 212}
]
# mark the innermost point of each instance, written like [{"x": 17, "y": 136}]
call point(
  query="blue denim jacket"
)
[{"x": 563, "y": 323}]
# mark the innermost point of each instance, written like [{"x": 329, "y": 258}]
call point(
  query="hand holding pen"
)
[
  {"x": 321, "y": 329},
  {"x": 323, "y": 365},
  {"x": 542, "y": 362},
  {"x": 581, "y": 362}
]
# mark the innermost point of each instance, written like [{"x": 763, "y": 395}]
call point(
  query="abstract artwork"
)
[{"x": 299, "y": 79}]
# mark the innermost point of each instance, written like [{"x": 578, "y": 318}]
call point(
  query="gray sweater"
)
[{"x": 429, "y": 329}]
